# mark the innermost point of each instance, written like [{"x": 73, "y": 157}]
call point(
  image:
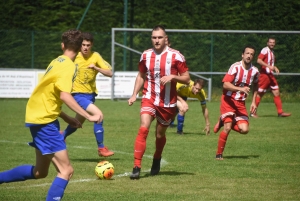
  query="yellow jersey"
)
[
  {"x": 44, "y": 104},
  {"x": 185, "y": 90},
  {"x": 86, "y": 77}
]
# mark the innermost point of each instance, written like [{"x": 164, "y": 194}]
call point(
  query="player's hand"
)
[
  {"x": 253, "y": 108},
  {"x": 207, "y": 130},
  {"x": 246, "y": 90},
  {"x": 165, "y": 79},
  {"x": 97, "y": 118},
  {"x": 276, "y": 69},
  {"x": 92, "y": 66},
  {"x": 131, "y": 100}
]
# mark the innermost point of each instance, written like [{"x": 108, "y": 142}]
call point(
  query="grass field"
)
[{"x": 262, "y": 165}]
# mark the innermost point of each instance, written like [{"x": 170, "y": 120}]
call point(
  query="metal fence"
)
[{"x": 205, "y": 50}]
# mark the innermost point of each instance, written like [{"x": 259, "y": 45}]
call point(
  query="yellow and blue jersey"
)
[
  {"x": 185, "y": 91},
  {"x": 86, "y": 77},
  {"x": 44, "y": 105}
]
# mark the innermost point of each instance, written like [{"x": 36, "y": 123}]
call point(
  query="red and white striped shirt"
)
[
  {"x": 268, "y": 57},
  {"x": 169, "y": 62},
  {"x": 239, "y": 76}
]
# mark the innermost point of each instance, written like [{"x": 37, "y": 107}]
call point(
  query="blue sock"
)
[
  {"x": 180, "y": 121},
  {"x": 57, "y": 189},
  {"x": 99, "y": 134},
  {"x": 69, "y": 130},
  {"x": 20, "y": 173}
]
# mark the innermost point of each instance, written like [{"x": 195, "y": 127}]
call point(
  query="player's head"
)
[
  {"x": 87, "y": 44},
  {"x": 159, "y": 38},
  {"x": 271, "y": 42},
  {"x": 248, "y": 54},
  {"x": 71, "y": 40},
  {"x": 198, "y": 85}
]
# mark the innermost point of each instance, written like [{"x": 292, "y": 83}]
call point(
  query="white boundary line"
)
[{"x": 163, "y": 163}]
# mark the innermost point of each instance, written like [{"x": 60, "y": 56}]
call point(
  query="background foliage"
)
[{"x": 30, "y": 31}]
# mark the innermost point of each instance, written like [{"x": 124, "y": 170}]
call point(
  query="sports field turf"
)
[{"x": 262, "y": 165}]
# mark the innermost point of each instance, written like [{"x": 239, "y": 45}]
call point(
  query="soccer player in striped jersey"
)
[
  {"x": 84, "y": 90},
  {"x": 236, "y": 87},
  {"x": 42, "y": 110},
  {"x": 160, "y": 68},
  {"x": 267, "y": 80},
  {"x": 192, "y": 90}
]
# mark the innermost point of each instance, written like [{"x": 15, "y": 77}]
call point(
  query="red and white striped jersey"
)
[
  {"x": 268, "y": 57},
  {"x": 169, "y": 62},
  {"x": 239, "y": 76}
]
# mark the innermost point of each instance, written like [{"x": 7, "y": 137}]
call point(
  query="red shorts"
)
[
  {"x": 233, "y": 109},
  {"x": 163, "y": 115},
  {"x": 266, "y": 81}
]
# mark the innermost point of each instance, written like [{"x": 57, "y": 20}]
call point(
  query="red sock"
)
[
  {"x": 160, "y": 144},
  {"x": 257, "y": 100},
  {"x": 277, "y": 101},
  {"x": 140, "y": 146},
  {"x": 222, "y": 142}
]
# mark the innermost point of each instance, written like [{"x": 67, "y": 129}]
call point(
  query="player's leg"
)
[
  {"x": 263, "y": 85},
  {"x": 227, "y": 110},
  {"x": 182, "y": 109},
  {"x": 99, "y": 131},
  {"x": 223, "y": 136},
  {"x": 147, "y": 115},
  {"x": 83, "y": 100},
  {"x": 240, "y": 121},
  {"x": 64, "y": 170},
  {"x": 70, "y": 130},
  {"x": 160, "y": 142},
  {"x": 277, "y": 99},
  {"x": 164, "y": 116}
]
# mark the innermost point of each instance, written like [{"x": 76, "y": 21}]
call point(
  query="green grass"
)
[{"x": 262, "y": 165}]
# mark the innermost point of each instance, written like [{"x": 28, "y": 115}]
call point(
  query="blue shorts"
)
[
  {"x": 46, "y": 138},
  {"x": 84, "y": 100}
]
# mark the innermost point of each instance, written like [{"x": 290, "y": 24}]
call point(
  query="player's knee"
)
[
  {"x": 39, "y": 174},
  {"x": 67, "y": 172},
  {"x": 244, "y": 131}
]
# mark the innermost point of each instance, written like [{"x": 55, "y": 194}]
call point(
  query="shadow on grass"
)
[
  {"x": 168, "y": 173},
  {"x": 96, "y": 160},
  {"x": 241, "y": 157}
]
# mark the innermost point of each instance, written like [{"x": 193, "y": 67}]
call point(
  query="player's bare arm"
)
[
  {"x": 205, "y": 115},
  {"x": 272, "y": 68},
  {"x": 139, "y": 81},
  {"x": 183, "y": 78},
  {"x": 68, "y": 99},
  {"x": 253, "y": 106},
  {"x": 73, "y": 122},
  {"x": 105, "y": 72},
  {"x": 229, "y": 86}
]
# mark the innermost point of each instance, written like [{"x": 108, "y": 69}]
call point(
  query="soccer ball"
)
[{"x": 104, "y": 170}]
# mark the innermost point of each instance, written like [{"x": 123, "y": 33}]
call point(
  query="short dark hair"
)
[
  {"x": 271, "y": 37},
  {"x": 72, "y": 39},
  {"x": 88, "y": 36},
  {"x": 158, "y": 27},
  {"x": 199, "y": 81},
  {"x": 249, "y": 46}
]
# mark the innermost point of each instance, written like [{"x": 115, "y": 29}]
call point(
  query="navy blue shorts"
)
[
  {"x": 46, "y": 138},
  {"x": 84, "y": 100}
]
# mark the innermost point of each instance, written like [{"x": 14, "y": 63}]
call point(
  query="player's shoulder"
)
[
  {"x": 254, "y": 68},
  {"x": 264, "y": 50},
  {"x": 178, "y": 55},
  {"x": 236, "y": 64}
]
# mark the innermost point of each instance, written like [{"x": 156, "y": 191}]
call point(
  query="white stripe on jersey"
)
[
  {"x": 157, "y": 79},
  {"x": 168, "y": 85},
  {"x": 148, "y": 93}
]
